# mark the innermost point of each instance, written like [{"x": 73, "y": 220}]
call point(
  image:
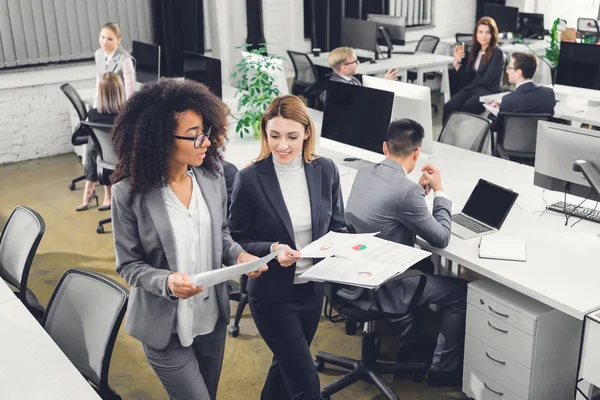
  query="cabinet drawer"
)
[
  {"x": 503, "y": 337},
  {"x": 496, "y": 365},
  {"x": 502, "y": 311},
  {"x": 478, "y": 386}
]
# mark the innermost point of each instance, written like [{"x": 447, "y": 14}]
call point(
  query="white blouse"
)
[{"x": 193, "y": 247}]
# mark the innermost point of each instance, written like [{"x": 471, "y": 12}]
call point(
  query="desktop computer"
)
[
  {"x": 355, "y": 120},
  {"x": 206, "y": 70},
  {"x": 559, "y": 154},
  {"x": 277, "y": 71},
  {"x": 360, "y": 35},
  {"x": 147, "y": 61},
  {"x": 578, "y": 71},
  {"x": 504, "y": 16},
  {"x": 531, "y": 26},
  {"x": 396, "y": 26},
  {"x": 410, "y": 101}
]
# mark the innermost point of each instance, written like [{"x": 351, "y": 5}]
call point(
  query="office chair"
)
[
  {"x": 79, "y": 136},
  {"x": 106, "y": 160},
  {"x": 467, "y": 131},
  {"x": 83, "y": 318},
  {"x": 368, "y": 369},
  {"x": 588, "y": 30},
  {"x": 238, "y": 292},
  {"x": 306, "y": 78},
  {"x": 517, "y": 136},
  {"x": 18, "y": 244}
]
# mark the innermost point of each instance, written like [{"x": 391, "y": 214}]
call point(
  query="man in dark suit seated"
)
[
  {"x": 383, "y": 199},
  {"x": 527, "y": 97}
]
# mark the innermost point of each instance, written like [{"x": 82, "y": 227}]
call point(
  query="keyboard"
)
[
  {"x": 470, "y": 223},
  {"x": 581, "y": 212}
]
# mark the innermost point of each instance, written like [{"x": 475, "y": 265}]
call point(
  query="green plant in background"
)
[
  {"x": 553, "y": 50},
  {"x": 255, "y": 90}
]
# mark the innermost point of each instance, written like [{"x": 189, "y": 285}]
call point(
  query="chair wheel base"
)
[
  {"x": 99, "y": 229},
  {"x": 71, "y": 186},
  {"x": 233, "y": 331}
]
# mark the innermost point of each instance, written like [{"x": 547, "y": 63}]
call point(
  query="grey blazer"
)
[
  {"x": 145, "y": 252},
  {"x": 114, "y": 65},
  {"x": 384, "y": 199}
]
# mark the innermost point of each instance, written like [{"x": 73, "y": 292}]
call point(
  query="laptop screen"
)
[{"x": 489, "y": 203}]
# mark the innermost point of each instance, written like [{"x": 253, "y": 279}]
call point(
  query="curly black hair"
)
[{"x": 144, "y": 129}]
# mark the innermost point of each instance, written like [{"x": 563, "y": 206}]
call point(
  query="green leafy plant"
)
[
  {"x": 255, "y": 90},
  {"x": 553, "y": 50}
]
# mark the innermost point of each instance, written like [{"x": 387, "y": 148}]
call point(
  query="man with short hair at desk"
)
[
  {"x": 527, "y": 97},
  {"x": 344, "y": 63},
  {"x": 383, "y": 199}
]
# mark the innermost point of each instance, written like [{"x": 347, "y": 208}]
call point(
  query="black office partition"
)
[
  {"x": 480, "y": 3},
  {"x": 254, "y": 24}
]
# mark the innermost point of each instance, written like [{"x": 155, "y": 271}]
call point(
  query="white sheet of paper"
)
[
  {"x": 216, "y": 276},
  {"x": 383, "y": 251},
  {"x": 493, "y": 110},
  {"x": 331, "y": 244}
]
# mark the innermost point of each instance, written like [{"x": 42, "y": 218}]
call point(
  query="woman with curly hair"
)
[
  {"x": 287, "y": 198},
  {"x": 170, "y": 221}
]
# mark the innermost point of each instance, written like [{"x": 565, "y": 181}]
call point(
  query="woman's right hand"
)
[
  {"x": 181, "y": 286},
  {"x": 459, "y": 54},
  {"x": 288, "y": 256}
]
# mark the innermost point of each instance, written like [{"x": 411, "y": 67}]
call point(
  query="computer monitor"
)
[
  {"x": 504, "y": 16},
  {"x": 557, "y": 147},
  {"x": 578, "y": 71},
  {"x": 355, "y": 120},
  {"x": 531, "y": 26},
  {"x": 206, "y": 70},
  {"x": 147, "y": 61},
  {"x": 359, "y": 34},
  {"x": 396, "y": 26},
  {"x": 410, "y": 101},
  {"x": 277, "y": 71}
]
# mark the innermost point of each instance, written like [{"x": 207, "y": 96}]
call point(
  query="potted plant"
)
[
  {"x": 255, "y": 90},
  {"x": 553, "y": 50}
]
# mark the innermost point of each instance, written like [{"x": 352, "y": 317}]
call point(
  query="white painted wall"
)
[
  {"x": 566, "y": 9},
  {"x": 449, "y": 18}
]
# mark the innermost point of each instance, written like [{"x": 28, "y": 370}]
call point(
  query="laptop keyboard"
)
[{"x": 470, "y": 223}]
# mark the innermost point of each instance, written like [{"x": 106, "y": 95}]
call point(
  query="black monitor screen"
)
[
  {"x": 579, "y": 65},
  {"x": 147, "y": 61},
  {"x": 489, "y": 203},
  {"x": 359, "y": 34},
  {"x": 531, "y": 25},
  {"x": 505, "y": 17},
  {"x": 357, "y": 116},
  {"x": 203, "y": 69}
]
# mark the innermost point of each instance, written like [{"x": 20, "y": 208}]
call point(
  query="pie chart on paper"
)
[{"x": 359, "y": 247}]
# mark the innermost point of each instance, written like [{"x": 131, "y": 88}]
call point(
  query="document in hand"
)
[
  {"x": 216, "y": 276},
  {"x": 332, "y": 243},
  {"x": 364, "y": 260}
]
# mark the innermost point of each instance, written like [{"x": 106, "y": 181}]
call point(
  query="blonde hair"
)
[
  {"x": 111, "y": 92},
  {"x": 288, "y": 107},
  {"x": 338, "y": 56},
  {"x": 114, "y": 27}
]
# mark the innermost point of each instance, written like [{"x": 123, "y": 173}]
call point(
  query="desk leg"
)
[
  {"x": 420, "y": 74},
  {"x": 446, "y": 85},
  {"x": 401, "y": 75}
]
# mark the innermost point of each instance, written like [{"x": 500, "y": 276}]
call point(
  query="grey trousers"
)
[{"x": 190, "y": 373}]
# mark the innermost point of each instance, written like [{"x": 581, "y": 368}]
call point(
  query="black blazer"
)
[
  {"x": 527, "y": 98},
  {"x": 260, "y": 218},
  {"x": 103, "y": 118},
  {"x": 488, "y": 78}
]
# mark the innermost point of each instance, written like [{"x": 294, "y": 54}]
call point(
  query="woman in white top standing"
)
[
  {"x": 111, "y": 57},
  {"x": 481, "y": 74},
  {"x": 288, "y": 198},
  {"x": 169, "y": 215}
]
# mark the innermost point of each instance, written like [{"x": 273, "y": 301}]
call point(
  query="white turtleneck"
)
[{"x": 292, "y": 181}]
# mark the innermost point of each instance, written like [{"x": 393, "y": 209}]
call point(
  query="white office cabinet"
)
[{"x": 517, "y": 347}]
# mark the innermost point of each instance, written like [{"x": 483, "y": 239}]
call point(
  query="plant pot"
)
[{"x": 256, "y": 129}]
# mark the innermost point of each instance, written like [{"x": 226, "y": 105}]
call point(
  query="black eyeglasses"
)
[
  {"x": 198, "y": 140},
  {"x": 352, "y": 62}
]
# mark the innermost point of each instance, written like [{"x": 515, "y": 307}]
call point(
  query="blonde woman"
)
[
  {"x": 111, "y": 57},
  {"x": 111, "y": 99}
]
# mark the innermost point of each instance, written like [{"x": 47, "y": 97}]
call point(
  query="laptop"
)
[{"x": 484, "y": 212}]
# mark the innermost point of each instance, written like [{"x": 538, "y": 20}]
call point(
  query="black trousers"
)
[
  {"x": 91, "y": 168},
  {"x": 466, "y": 100},
  {"x": 288, "y": 328}
]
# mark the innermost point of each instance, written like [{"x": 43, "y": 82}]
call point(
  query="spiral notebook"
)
[{"x": 501, "y": 247}]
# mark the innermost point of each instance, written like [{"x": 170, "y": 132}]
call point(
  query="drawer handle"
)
[
  {"x": 498, "y": 329},
  {"x": 493, "y": 359},
  {"x": 492, "y": 390},
  {"x": 496, "y": 312}
]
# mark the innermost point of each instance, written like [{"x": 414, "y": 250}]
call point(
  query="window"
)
[
  {"x": 34, "y": 32},
  {"x": 417, "y": 12}
]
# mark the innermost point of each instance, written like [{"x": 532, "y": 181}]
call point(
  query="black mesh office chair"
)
[
  {"x": 106, "y": 160},
  {"x": 517, "y": 136},
  {"x": 588, "y": 29},
  {"x": 306, "y": 79},
  {"x": 83, "y": 318},
  {"x": 368, "y": 369},
  {"x": 18, "y": 244},
  {"x": 467, "y": 131},
  {"x": 79, "y": 136}
]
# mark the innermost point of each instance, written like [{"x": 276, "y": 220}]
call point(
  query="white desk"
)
[
  {"x": 6, "y": 294},
  {"x": 31, "y": 365},
  {"x": 531, "y": 45},
  {"x": 422, "y": 63}
]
